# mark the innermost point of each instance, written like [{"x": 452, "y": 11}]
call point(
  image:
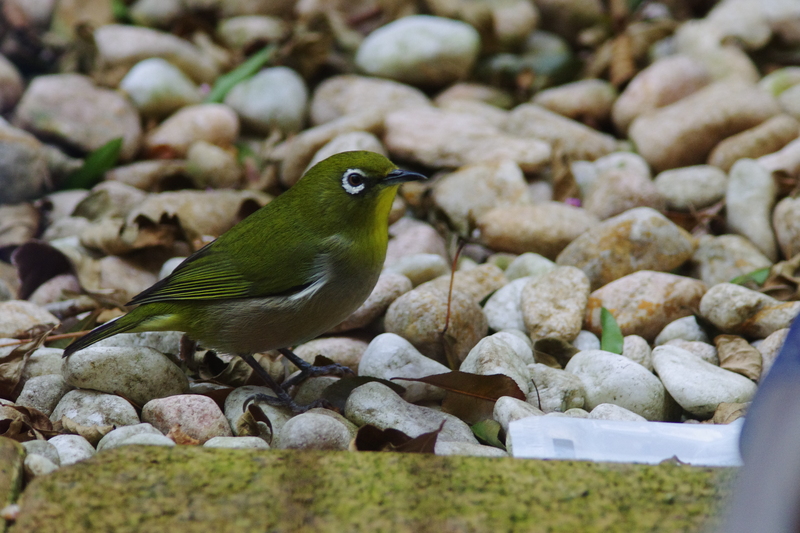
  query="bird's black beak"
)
[{"x": 401, "y": 176}]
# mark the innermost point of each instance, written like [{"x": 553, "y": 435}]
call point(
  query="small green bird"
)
[{"x": 284, "y": 275}]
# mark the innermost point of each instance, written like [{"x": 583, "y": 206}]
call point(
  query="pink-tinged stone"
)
[{"x": 198, "y": 416}]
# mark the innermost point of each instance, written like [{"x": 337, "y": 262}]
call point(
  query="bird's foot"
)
[
  {"x": 285, "y": 400},
  {"x": 307, "y": 370}
]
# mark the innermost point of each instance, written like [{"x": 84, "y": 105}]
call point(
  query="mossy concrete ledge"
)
[
  {"x": 12, "y": 457},
  {"x": 194, "y": 489}
]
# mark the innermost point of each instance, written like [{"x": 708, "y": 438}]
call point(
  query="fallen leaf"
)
[
  {"x": 246, "y": 70},
  {"x": 372, "y": 439},
  {"x": 180, "y": 437},
  {"x": 18, "y": 224},
  {"x": 611, "y": 338},
  {"x": 91, "y": 433},
  {"x": 737, "y": 355},
  {"x": 489, "y": 432},
  {"x": 13, "y": 359},
  {"x": 95, "y": 165},
  {"x": 478, "y": 386},
  {"x": 728, "y": 412},
  {"x": 471, "y": 397},
  {"x": 24, "y": 423},
  {"x": 553, "y": 352},
  {"x": 37, "y": 262}
]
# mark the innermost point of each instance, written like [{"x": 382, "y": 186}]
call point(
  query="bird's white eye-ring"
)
[{"x": 353, "y": 181}]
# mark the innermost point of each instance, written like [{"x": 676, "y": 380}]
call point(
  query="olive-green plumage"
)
[{"x": 287, "y": 273}]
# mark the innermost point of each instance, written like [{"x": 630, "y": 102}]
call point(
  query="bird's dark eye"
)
[{"x": 354, "y": 179}]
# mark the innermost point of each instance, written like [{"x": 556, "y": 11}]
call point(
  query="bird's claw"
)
[
  {"x": 286, "y": 401},
  {"x": 310, "y": 371}
]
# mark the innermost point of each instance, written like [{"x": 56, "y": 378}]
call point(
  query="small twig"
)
[
  {"x": 461, "y": 243},
  {"x": 58, "y": 337}
]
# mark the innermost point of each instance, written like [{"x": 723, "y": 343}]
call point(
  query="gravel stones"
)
[
  {"x": 639, "y": 239},
  {"x": 644, "y": 302},
  {"x": 419, "y": 316},
  {"x": 43, "y": 392},
  {"x": 502, "y": 309},
  {"x": 341, "y": 95},
  {"x": 274, "y": 98},
  {"x": 691, "y": 188},
  {"x": 316, "y": 429},
  {"x": 683, "y": 133},
  {"x": 685, "y": 328},
  {"x": 556, "y": 390},
  {"x": 739, "y": 310},
  {"x": 92, "y": 408},
  {"x": 197, "y": 416},
  {"x": 119, "y": 47},
  {"x": 420, "y": 50},
  {"x": 391, "y": 356},
  {"x": 18, "y": 316},
  {"x": 439, "y": 138},
  {"x": 575, "y": 139},
  {"x": 72, "y": 109},
  {"x": 25, "y": 167},
  {"x": 71, "y": 448},
  {"x": 554, "y": 304},
  {"x": 612, "y": 378},
  {"x": 213, "y": 123},
  {"x": 699, "y": 387},
  {"x": 495, "y": 355},
  {"x": 380, "y": 406},
  {"x": 545, "y": 228},
  {"x": 722, "y": 258},
  {"x": 766, "y": 138},
  {"x": 140, "y": 374},
  {"x": 470, "y": 191},
  {"x": 118, "y": 436},
  {"x": 786, "y": 221},
  {"x": 749, "y": 200},
  {"x": 660, "y": 84},
  {"x": 158, "y": 88}
]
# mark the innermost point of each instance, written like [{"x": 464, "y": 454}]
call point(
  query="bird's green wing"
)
[{"x": 213, "y": 273}]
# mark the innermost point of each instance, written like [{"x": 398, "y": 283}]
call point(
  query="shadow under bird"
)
[{"x": 284, "y": 275}]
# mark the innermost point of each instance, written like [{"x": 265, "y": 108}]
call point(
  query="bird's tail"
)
[{"x": 112, "y": 327}]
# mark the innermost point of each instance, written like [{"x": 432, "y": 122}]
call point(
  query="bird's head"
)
[{"x": 356, "y": 184}]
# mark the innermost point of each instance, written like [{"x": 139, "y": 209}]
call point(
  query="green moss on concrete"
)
[
  {"x": 191, "y": 489},
  {"x": 12, "y": 456}
]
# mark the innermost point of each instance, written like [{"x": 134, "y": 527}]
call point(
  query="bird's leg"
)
[
  {"x": 307, "y": 370},
  {"x": 281, "y": 398}
]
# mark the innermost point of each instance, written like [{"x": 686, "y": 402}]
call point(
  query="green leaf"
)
[
  {"x": 611, "y": 339},
  {"x": 244, "y": 71},
  {"x": 489, "y": 432},
  {"x": 756, "y": 276},
  {"x": 94, "y": 166},
  {"x": 120, "y": 11}
]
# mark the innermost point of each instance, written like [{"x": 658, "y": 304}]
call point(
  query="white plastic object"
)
[{"x": 546, "y": 437}]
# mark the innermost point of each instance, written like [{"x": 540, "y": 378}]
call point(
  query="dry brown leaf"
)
[
  {"x": 113, "y": 236},
  {"x": 18, "y": 224},
  {"x": 37, "y": 262},
  {"x": 736, "y": 355},
  {"x": 91, "y": 433},
  {"x": 180, "y": 437},
  {"x": 13, "y": 359},
  {"x": 372, "y": 439},
  {"x": 553, "y": 352},
  {"x": 471, "y": 397},
  {"x": 24, "y": 423},
  {"x": 728, "y": 412},
  {"x": 197, "y": 213}
]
